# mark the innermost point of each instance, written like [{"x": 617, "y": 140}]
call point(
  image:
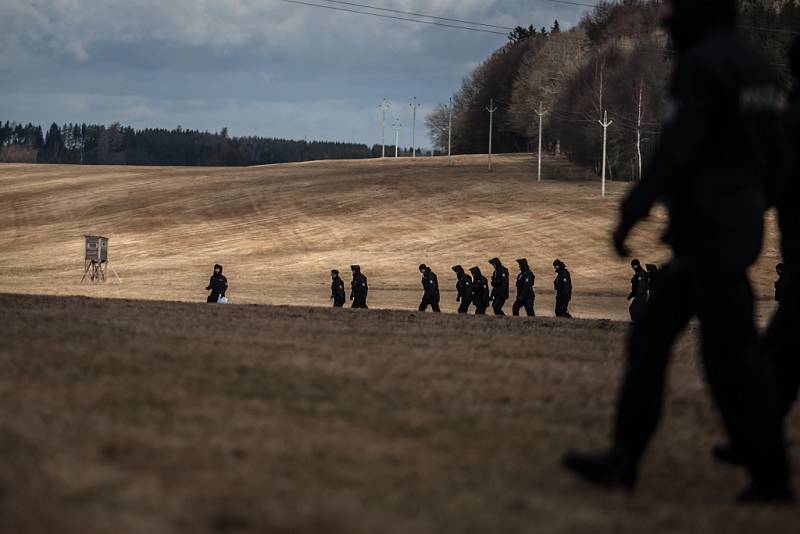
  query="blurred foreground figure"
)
[
  {"x": 563, "y": 286},
  {"x": 337, "y": 289},
  {"x": 218, "y": 285},
  {"x": 499, "y": 294},
  {"x": 638, "y": 294},
  {"x": 783, "y": 335},
  {"x": 652, "y": 280},
  {"x": 430, "y": 288},
  {"x": 358, "y": 288},
  {"x": 480, "y": 286},
  {"x": 724, "y": 100},
  {"x": 525, "y": 294},
  {"x": 464, "y": 289}
]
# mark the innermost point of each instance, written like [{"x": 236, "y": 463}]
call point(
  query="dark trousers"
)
[
  {"x": 359, "y": 301},
  {"x": 338, "y": 303},
  {"x": 562, "y": 305},
  {"x": 527, "y": 304},
  {"x": 737, "y": 375},
  {"x": 464, "y": 306},
  {"x": 497, "y": 305},
  {"x": 782, "y": 346},
  {"x": 636, "y": 308},
  {"x": 213, "y": 297},
  {"x": 432, "y": 302},
  {"x": 480, "y": 309}
]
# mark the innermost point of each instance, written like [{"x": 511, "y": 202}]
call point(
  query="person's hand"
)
[{"x": 619, "y": 237}]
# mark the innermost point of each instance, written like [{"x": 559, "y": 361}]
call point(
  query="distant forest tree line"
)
[
  {"x": 123, "y": 145},
  {"x": 617, "y": 59}
]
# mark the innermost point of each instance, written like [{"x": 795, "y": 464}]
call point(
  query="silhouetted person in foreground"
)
[
  {"x": 525, "y": 294},
  {"x": 638, "y": 294},
  {"x": 218, "y": 285},
  {"x": 358, "y": 288},
  {"x": 499, "y": 294},
  {"x": 464, "y": 289},
  {"x": 480, "y": 287},
  {"x": 430, "y": 288},
  {"x": 563, "y": 286},
  {"x": 652, "y": 280},
  {"x": 337, "y": 289},
  {"x": 783, "y": 335},
  {"x": 722, "y": 106}
]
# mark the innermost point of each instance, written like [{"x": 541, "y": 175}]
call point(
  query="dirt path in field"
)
[{"x": 150, "y": 417}]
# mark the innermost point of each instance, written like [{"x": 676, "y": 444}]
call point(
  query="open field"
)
[
  {"x": 158, "y": 417},
  {"x": 279, "y": 230}
]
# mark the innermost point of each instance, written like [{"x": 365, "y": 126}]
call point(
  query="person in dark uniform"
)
[
  {"x": 464, "y": 289},
  {"x": 480, "y": 286},
  {"x": 218, "y": 285},
  {"x": 638, "y": 294},
  {"x": 724, "y": 102},
  {"x": 430, "y": 288},
  {"x": 525, "y": 294},
  {"x": 499, "y": 294},
  {"x": 563, "y": 286},
  {"x": 652, "y": 280},
  {"x": 337, "y": 289},
  {"x": 358, "y": 288}
]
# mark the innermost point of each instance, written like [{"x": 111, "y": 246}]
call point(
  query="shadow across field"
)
[{"x": 153, "y": 417}]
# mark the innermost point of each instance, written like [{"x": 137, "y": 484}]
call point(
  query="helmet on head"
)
[{"x": 355, "y": 268}]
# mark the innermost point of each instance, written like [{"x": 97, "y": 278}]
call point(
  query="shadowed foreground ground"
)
[{"x": 151, "y": 417}]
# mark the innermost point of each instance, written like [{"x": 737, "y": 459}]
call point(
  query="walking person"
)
[
  {"x": 480, "y": 287},
  {"x": 724, "y": 102},
  {"x": 358, "y": 288},
  {"x": 525, "y": 293},
  {"x": 218, "y": 285},
  {"x": 337, "y": 289},
  {"x": 499, "y": 294},
  {"x": 638, "y": 294},
  {"x": 430, "y": 288},
  {"x": 464, "y": 289},
  {"x": 563, "y": 287}
]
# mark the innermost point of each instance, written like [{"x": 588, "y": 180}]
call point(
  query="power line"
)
[{"x": 380, "y": 15}]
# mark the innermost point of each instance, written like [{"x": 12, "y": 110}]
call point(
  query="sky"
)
[{"x": 258, "y": 67}]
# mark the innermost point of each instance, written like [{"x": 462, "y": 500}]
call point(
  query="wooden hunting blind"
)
[{"x": 95, "y": 258}]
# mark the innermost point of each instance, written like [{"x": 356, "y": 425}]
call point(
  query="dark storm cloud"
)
[{"x": 261, "y": 67}]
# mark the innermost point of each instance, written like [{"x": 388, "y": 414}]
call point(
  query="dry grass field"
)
[
  {"x": 149, "y": 417},
  {"x": 278, "y": 230}
]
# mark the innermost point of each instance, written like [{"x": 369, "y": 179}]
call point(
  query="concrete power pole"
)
[
  {"x": 397, "y": 127},
  {"x": 541, "y": 113},
  {"x": 384, "y": 108},
  {"x": 605, "y": 123},
  {"x": 491, "y": 109},
  {"x": 414, "y": 107},
  {"x": 450, "y": 133}
]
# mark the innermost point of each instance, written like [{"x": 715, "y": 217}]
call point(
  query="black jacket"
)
[
  {"x": 480, "y": 286},
  {"x": 218, "y": 284},
  {"x": 430, "y": 285},
  {"x": 337, "y": 289},
  {"x": 358, "y": 287},
  {"x": 563, "y": 283},
  {"x": 713, "y": 157},
  {"x": 500, "y": 282},
  {"x": 464, "y": 287},
  {"x": 525, "y": 281},
  {"x": 639, "y": 285}
]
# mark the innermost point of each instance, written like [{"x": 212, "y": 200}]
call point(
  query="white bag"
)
[{"x": 222, "y": 299}]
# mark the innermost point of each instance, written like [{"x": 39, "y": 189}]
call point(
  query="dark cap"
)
[
  {"x": 458, "y": 269},
  {"x": 334, "y": 271},
  {"x": 495, "y": 261},
  {"x": 356, "y": 268},
  {"x": 217, "y": 266},
  {"x": 423, "y": 267},
  {"x": 557, "y": 263},
  {"x": 636, "y": 263}
]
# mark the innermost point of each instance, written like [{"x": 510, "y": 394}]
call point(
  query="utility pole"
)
[
  {"x": 491, "y": 109},
  {"x": 450, "y": 133},
  {"x": 414, "y": 107},
  {"x": 397, "y": 127},
  {"x": 541, "y": 113},
  {"x": 605, "y": 123},
  {"x": 384, "y": 108}
]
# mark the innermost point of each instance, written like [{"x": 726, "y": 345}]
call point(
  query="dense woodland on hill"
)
[{"x": 617, "y": 59}]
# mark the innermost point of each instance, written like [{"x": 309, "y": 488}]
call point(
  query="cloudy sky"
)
[{"x": 258, "y": 67}]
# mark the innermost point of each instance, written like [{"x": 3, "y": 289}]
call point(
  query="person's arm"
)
[{"x": 685, "y": 131}]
